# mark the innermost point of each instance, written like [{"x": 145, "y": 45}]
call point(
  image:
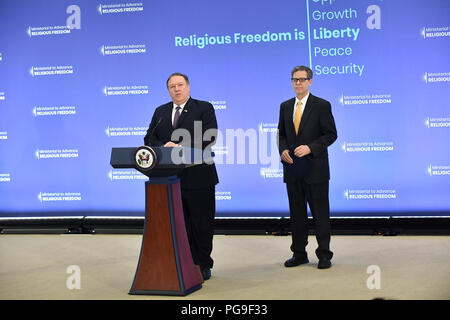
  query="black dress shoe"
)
[
  {"x": 206, "y": 273},
  {"x": 324, "y": 264},
  {"x": 293, "y": 262}
]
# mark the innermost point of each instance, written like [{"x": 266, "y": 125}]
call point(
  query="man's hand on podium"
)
[{"x": 171, "y": 144}]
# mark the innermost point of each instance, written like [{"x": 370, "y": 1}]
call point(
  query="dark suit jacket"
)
[
  {"x": 317, "y": 130},
  {"x": 160, "y": 132}
]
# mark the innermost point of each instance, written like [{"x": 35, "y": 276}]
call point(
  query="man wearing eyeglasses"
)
[{"x": 305, "y": 130}]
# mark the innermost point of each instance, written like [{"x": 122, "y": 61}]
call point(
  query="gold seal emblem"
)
[{"x": 145, "y": 158}]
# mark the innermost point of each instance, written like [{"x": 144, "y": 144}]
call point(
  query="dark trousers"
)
[
  {"x": 199, "y": 206},
  {"x": 316, "y": 195}
]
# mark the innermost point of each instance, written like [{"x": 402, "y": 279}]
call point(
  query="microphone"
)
[
  {"x": 156, "y": 126},
  {"x": 153, "y": 131}
]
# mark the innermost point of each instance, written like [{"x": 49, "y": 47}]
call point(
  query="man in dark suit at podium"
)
[
  {"x": 306, "y": 128},
  {"x": 198, "y": 182}
]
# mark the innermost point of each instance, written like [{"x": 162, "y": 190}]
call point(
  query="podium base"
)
[
  {"x": 165, "y": 264},
  {"x": 165, "y": 293}
]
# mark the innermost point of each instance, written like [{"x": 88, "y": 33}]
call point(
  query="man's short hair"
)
[
  {"x": 177, "y": 74},
  {"x": 302, "y": 68}
]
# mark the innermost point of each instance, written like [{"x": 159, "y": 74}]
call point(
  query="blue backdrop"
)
[{"x": 80, "y": 77}]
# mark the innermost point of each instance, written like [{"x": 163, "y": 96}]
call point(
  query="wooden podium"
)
[{"x": 165, "y": 264}]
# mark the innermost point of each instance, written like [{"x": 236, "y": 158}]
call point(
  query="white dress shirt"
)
[
  {"x": 174, "y": 109},
  {"x": 305, "y": 98}
]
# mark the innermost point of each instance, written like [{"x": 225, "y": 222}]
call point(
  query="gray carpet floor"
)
[{"x": 246, "y": 267}]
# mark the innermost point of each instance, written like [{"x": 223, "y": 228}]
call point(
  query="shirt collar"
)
[
  {"x": 181, "y": 105},
  {"x": 303, "y": 100}
]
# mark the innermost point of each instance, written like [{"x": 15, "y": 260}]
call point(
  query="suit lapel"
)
[
  {"x": 306, "y": 112},
  {"x": 289, "y": 117},
  {"x": 166, "y": 114}
]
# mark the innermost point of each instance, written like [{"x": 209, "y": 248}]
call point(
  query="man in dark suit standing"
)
[
  {"x": 183, "y": 121},
  {"x": 306, "y": 128}
]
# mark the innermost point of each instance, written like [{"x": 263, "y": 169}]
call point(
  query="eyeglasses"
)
[{"x": 301, "y": 80}]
